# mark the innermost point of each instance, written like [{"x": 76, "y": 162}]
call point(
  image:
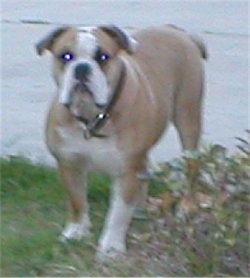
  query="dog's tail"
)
[
  {"x": 196, "y": 39},
  {"x": 201, "y": 45}
]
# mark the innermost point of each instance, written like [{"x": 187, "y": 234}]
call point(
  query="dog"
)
[{"x": 116, "y": 94}]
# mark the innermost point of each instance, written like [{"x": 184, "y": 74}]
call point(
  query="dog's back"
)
[{"x": 172, "y": 61}]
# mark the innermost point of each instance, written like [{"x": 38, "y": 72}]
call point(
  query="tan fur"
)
[{"x": 164, "y": 84}]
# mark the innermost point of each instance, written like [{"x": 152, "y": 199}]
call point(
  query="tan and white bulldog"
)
[{"x": 116, "y": 95}]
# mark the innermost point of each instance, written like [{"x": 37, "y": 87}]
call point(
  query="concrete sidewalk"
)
[{"x": 27, "y": 87}]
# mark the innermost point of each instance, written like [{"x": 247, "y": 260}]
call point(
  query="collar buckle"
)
[{"x": 91, "y": 129}]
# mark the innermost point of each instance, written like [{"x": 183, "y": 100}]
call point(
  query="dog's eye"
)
[
  {"x": 101, "y": 57},
  {"x": 67, "y": 57}
]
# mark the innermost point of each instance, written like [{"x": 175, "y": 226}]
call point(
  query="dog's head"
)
[{"x": 86, "y": 64}]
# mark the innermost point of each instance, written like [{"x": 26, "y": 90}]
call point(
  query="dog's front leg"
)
[
  {"x": 125, "y": 196},
  {"x": 74, "y": 178}
]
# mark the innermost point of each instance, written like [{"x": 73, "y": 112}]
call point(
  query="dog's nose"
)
[{"x": 82, "y": 71}]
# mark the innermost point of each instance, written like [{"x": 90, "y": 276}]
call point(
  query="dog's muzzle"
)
[
  {"x": 81, "y": 75},
  {"x": 92, "y": 127}
]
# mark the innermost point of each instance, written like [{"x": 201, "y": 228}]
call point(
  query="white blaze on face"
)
[
  {"x": 87, "y": 44},
  {"x": 97, "y": 82}
]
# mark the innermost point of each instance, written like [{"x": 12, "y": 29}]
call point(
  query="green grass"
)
[
  {"x": 34, "y": 209},
  {"x": 181, "y": 238}
]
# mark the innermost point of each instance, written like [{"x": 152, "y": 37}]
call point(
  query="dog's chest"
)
[{"x": 101, "y": 154}]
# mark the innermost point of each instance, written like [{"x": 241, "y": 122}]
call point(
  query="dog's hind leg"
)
[
  {"x": 74, "y": 179},
  {"x": 188, "y": 116},
  {"x": 188, "y": 124}
]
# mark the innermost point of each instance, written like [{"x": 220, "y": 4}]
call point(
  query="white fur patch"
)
[
  {"x": 76, "y": 231},
  {"x": 87, "y": 43},
  {"x": 95, "y": 151},
  {"x": 66, "y": 85},
  {"x": 113, "y": 237}
]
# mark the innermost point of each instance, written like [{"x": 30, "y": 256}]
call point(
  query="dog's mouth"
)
[
  {"x": 82, "y": 103},
  {"x": 83, "y": 88}
]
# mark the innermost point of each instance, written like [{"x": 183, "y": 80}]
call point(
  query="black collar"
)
[{"x": 92, "y": 128}]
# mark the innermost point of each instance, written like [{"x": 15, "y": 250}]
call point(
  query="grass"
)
[{"x": 198, "y": 221}]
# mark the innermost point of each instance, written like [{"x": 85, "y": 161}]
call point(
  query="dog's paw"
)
[
  {"x": 110, "y": 251},
  {"x": 74, "y": 231},
  {"x": 109, "y": 256}
]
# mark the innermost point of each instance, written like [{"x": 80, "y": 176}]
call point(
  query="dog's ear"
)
[
  {"x": 121, "y": 37},
  {"x": 48, "y": 42}
]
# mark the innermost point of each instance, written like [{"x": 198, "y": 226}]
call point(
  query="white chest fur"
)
[{"x": 101, "y": 154}]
